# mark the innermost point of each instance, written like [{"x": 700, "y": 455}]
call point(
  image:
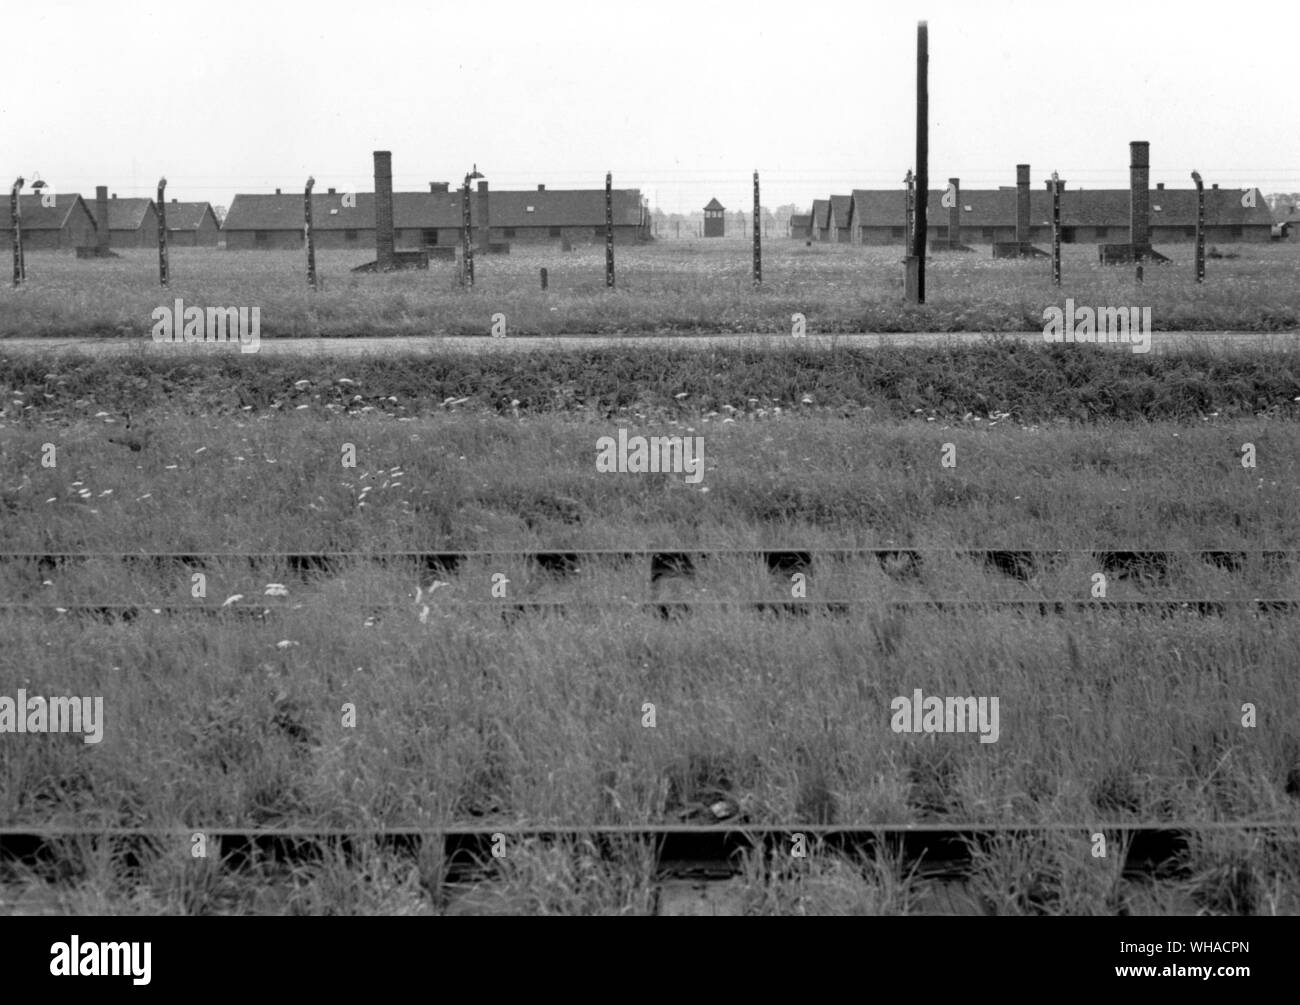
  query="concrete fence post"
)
[
  {"x": 1056, "y": 229},
  {"x": 162, "y": 232},
  {"x": 609, "y": 230},
  {"x": 544, "y": 278},
  {"x": 467, "y": 249},
  {"x": 758, "y": 241},
  {"x": 16, "y": 221},
  {"x": 1200, "y": 227},
  {"x": 308, "y": 235}
]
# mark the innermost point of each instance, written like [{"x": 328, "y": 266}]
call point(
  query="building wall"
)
[
  {"x": 276, "y": 240},
  {"x": 205, "y": 235},
  {"x": 412, "y": 238},
  {"x": 78, "y": 232}
]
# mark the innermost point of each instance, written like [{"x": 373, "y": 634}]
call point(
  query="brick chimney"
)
[
  {"x": 277, "y": 191},
  {"x": 1139, "y": 212},
  {"x": 484, "y": 229},
  {"x": 101, "y": 217},
  {"x": 954, "y": 213},
  {"x": 439, "y": 186},
  {"x": 541, "y": 188},
  {"x": 1022, "y": 202},
  {"x": 383, "y": 208},
  {"x": 331, "y": 192}
]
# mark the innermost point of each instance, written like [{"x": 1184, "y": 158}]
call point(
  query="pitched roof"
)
[
  {"x": 428, "y": 210},
  {"x": 714, "y": 205},
  {"x": 821, "y": 211},
  {"x": 1079, "y": 208},
  {"x": 801, "y": 221},
  {"x": 34, "y": 216},
  {"x": 840, "y": 209},
  {"x": 127, "y": 214},
  {"x": 187, "y": 215}
]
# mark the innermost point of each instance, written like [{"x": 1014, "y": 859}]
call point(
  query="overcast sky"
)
[{"x": 682, "y": 100}]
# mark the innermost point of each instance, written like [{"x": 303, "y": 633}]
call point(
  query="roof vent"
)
[{"x": 528, "y": 209}]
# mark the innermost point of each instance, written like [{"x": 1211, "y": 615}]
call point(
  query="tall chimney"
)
[
  {"x": 101, "y": 217},
  {"x": 541, "y": 188},
  {"x": 1139, "y": 211},
  {"x": 1022, "y": 203},
  {"x": 484, "y": 231},
  {"x": 383, "y": 208},
  {"x": 954, "y": 213}
]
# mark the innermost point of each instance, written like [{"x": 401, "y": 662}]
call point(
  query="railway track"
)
[{"x": 705, "y": 851}]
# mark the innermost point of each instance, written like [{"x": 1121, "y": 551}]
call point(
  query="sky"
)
[{"x": 682, "y": 100}]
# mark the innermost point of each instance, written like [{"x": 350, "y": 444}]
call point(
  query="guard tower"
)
[{"x": 715, "y": 219}]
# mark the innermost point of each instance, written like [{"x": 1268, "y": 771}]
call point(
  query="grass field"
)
[
  {"x": 464, "y": 718},
  {"x": 670, "y": 286}
]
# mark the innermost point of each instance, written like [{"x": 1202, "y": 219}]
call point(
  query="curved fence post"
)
[{"x": 1200, "y": 227}]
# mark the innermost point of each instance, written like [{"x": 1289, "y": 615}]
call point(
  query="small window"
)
[
  {"x": 530, "y": 209},
  {"x": 259, "y": 237},
  {"x": 555, "y": 232},
  {"x": 1189, "y": 232},
  {"x": 599, "y": 231},
  {"x": 349, "y": 235},
  {"x": 895, "y": 231},
  {"x": 987, "y": 233},
  {"x": 1235, "y": 230},
  {"x": 1103, "y": 232},
  {"x": 429, "y": 236},
  {"x": 510, "y": 232}
]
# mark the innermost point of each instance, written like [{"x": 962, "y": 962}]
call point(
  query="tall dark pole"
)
[
  {"x": 1056, "y": 229},
  {"x": 609, "y": 230},
  {"x": 467, "y": 250},
  {"x": 16, "y": 221},
  {"x": 1200, "y": 227},
  {"x": 758, "y": 241},
  {"x": 162, "y": 232},
  {"x": 311, "y": 240},
  {"x": 922, "y": 154}
]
